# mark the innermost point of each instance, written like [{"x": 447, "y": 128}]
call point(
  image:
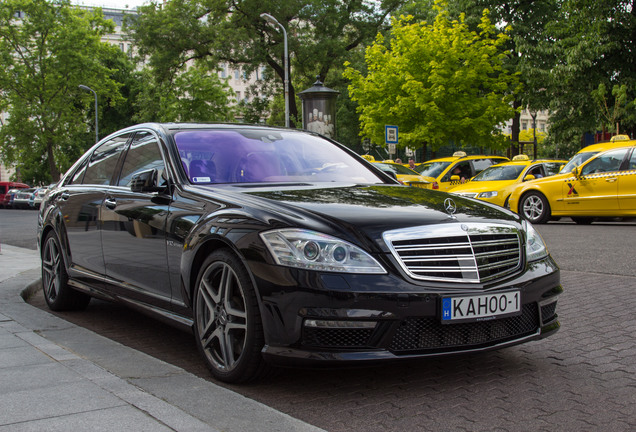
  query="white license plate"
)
[{"x": 480, "y": 307}]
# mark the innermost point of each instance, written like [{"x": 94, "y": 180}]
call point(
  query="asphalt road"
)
[{"x": 581, "y": 379}]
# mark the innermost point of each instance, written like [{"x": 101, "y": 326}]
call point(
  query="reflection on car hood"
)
[{"x": 378, "y": 208}]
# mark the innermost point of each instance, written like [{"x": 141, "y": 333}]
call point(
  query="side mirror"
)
[
  {"x": 576, "y": 171},
  {"x": 529, "y": 177},
  {"x": 454, "y": 178},
  {"x": 145, "y": 181}
]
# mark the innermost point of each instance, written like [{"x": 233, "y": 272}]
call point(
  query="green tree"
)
[
  {"x": 438, "y": 82},
  {"x": 320, "y": 34},
  {"x": 48, "y": 49},
  {"x": 589, "y": 45},
  {"x": 194, "y": 94}
]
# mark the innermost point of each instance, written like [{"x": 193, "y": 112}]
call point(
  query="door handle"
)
[
  {"x": 110, "y": 203},
  {"x": 611, "y": 179},
  {"x": 64, "y": 196}
]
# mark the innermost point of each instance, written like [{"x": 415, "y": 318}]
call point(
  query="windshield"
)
[
  {"x": 576, "y": 160},
  {"x": 431, "y": 169},
  {"x": 264, "y": 155},
  {"x": 397, "y": 169},
  {"x": 494, "y": 173}
]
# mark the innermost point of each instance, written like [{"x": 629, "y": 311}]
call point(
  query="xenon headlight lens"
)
[
  {"x": 490, "y": 194},
  {"x": 311, "y": 250},
  {"x": 535, "y": 246}
]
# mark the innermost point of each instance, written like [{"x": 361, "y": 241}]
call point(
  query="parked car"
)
[
  {"x": 278, "y": 246},
  {"x": 496, "y": 183},
  {"x": 38, "y": 196},
  {"x": 446, "y": 173},
  {"x": 602, "y": 186},
  {"x": 5, "y": 187},
  {"x": 587, "y": 152},
  {"x": 22, "y": 198},
  {"x": 404, "y": 174}
]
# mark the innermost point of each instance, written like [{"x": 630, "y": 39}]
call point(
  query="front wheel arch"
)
[{"x": 227, "y": 322}]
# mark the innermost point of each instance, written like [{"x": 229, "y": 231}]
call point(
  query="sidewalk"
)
[{"x": 57, "y": 377}]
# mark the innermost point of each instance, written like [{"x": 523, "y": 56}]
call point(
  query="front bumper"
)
[{"x": 380, "y": 318}]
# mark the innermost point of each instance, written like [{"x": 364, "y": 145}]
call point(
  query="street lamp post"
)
[
  {"x": 83, "y": 87},
  {"x": 270, "y": 19},
  {"x": 534, "y": 133}
]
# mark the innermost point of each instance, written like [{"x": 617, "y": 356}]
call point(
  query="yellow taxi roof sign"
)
[
  {"x": 459, "y": 153},
  {"x": 619, "y": 138},
  {"x": 388, "y": 161},
  {"x": 520, "y": 157},
  {"x": 369, "y": 157}
]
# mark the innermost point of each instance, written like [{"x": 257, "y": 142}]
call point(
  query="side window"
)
[
  {"x": 143, "y": 155},
  {"x": 607, "y": 162},
  {"x": 78, "y": 175},
  {"x": 103, "y": 161},
  {"x": 632, "y": 161},
  {"x": 481, "y": 164},
  {"x": 461, "y": 169}
]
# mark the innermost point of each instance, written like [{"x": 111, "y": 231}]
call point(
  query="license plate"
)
[{"x": 480, "y": 307}]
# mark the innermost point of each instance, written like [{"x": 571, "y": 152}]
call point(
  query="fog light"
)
[{"x": 339, "y": 324}]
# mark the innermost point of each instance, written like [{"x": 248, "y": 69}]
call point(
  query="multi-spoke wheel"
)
[
  {"x": 535, "y": 208},
  {"x": 57, "y": 293},
  {"x": 227, "y": 322}
]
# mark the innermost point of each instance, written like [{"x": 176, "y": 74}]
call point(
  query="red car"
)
[{"x": 5, "y": 198}]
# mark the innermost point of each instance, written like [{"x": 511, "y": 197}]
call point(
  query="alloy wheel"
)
[
  {"x": 51, "y": 269},
  {"x": 221, "y": 316}
]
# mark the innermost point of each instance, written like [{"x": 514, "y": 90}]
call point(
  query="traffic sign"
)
[{"x": 391, "y": 134}]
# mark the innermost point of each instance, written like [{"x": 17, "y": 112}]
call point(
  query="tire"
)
[
  {"x": 534, "y": 207},
  {"x": 227, "y": 322},
  {"x": 58, "y": 294},
  {"x": 582, "y": 220}
]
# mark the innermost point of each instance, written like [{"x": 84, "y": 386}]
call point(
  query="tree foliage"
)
[
  {"x": 320, "y": 34},
  {"x": 588, "y": 46},
  {"x": 48, "y": 49},
  {"x": 438, "y": 82}
]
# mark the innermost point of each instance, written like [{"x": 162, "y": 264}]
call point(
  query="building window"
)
[
  {"x": 122, "y": 47},
  {"x": 223, "y": 72},
  {"x": 236, "y": 74},
  {"x": 524, "y": 126}
]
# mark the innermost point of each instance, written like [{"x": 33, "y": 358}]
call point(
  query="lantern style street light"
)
[
  {"x": 270, "y": 19},
  {"x": 83, "y": 87}
]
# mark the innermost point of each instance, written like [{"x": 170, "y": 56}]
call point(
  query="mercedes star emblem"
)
[{"x": 450, "y": 206}]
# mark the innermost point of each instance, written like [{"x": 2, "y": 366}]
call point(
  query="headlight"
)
[
  {"x": 535, "y": 246},
  {"x": 490, "y": 194},
  {"x": 315, "y": 251}
]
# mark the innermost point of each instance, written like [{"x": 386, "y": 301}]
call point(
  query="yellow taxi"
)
[
  {"x": 448, "y": 172},
  {"x": 404, "y": 174},
  {"x": 587, "y": 152},
  {"x": 497, "y": 182},
  {"x": 604, "y": 185}
]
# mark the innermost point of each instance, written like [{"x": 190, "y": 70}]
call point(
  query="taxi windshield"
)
[
  {"x": 398, "y": 169},
  {"x": 432, "y": 169},
  {"x": 495, "y": 173},
  {"x": 576, "y": 160}
]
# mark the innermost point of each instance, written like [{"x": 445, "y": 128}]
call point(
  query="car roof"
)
[
  {"x": 624, "y": 141},
  {"x": 470, "y": 157}
]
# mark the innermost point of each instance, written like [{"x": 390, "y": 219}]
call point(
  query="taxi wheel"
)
[{"x": 534, "y": 207}]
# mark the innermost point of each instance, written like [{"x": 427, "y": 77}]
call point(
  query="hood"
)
[
  {"x": 485, "y": 186},
  {"x": 372, "y": 209}
]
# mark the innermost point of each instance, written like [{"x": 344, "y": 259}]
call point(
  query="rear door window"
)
[{"x": 103, "y": 162}]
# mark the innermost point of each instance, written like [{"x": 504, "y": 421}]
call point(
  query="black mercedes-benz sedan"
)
[{"x": 281, "y": 247}]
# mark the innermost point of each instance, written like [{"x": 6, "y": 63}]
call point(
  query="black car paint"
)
[{"x": 155, "y": 240}]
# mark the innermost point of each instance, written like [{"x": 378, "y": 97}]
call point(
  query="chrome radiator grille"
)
[{"x": 457, "y": 252}]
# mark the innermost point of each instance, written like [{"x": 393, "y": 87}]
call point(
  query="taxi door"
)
[
  {"x": 595, "y": 190},
  {"x": 627, "y": 186}
]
